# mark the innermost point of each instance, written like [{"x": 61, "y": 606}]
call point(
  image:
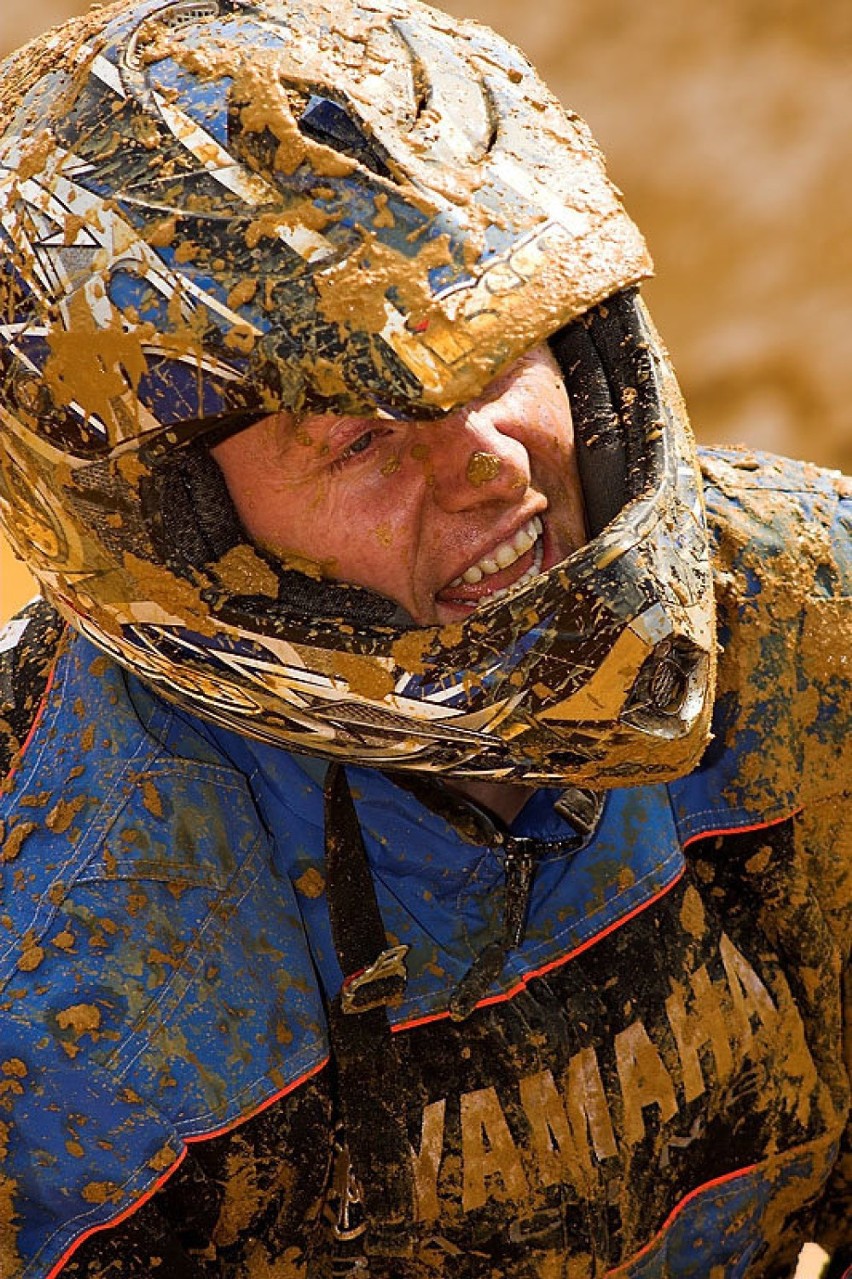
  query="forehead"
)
[{"x": 528, "y": 374}]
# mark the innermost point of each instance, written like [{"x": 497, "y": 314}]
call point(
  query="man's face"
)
[{"x": 439, "y": 516}]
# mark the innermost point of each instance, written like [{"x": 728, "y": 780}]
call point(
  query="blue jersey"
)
[{"x": 652, "y": 1083}]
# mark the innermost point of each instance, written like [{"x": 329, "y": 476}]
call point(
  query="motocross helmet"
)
[{"x": 215, "y": 210}]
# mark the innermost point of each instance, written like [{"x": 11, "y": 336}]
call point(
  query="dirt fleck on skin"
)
[{"x": 482, "y": 468}]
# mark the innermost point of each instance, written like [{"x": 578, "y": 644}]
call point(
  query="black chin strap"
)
[{"x": 369, "y": 1072}]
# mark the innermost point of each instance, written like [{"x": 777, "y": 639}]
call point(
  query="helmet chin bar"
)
[{"x": 606, "y": 362}]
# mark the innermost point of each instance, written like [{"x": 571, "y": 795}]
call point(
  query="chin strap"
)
[
  {"x": 369, "y": 1070},
  {"x": 374, "y": 1167}
]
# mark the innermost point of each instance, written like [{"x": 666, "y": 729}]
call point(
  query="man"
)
[{"x": 376, "y": 898}]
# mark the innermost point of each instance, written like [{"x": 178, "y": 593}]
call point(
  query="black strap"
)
[
  {"x": 520, "y": 863},
  {"x": 372, "y": 1098}
]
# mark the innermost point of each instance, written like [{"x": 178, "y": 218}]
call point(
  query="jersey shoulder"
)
[
  {"x": 781, "y": 539},
  {"x": 766, "y": 512}
]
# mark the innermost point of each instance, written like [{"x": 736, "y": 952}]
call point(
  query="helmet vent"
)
[
  {"x": 336, "y": 126},
  {"x": 668, "y": 692},
  {"x": 666, "y": 687},
  {"x": 174, "y": 17}
]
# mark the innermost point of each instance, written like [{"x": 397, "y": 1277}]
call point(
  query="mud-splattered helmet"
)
[{"x": 211, "y": 210}]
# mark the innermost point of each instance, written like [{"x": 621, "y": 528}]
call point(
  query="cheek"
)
[
  {"x": 542, "y": 419},
  {"x": 381, "y": 544},
  {"x": 367, "y": 542},
  {"x": 549, "y": 442}
]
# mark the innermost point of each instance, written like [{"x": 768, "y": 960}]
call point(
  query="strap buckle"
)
[{"x": 380, "y": 984}]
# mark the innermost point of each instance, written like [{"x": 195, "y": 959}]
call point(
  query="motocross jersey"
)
[{"x": 647, "y": 1081}]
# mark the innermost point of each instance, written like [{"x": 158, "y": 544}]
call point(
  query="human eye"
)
[
  {"x": 359, "y": 445},
  {"x": 356, "y": 446}
]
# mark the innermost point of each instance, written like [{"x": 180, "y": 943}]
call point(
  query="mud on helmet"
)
[{"x": 211, "y": 210}]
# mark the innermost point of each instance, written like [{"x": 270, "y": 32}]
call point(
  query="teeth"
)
[
  {"x": 504, "y": 555},
  {"x": 532, "y": 571}
]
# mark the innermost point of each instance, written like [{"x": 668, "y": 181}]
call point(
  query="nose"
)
[{"x": 473, "y": 462}]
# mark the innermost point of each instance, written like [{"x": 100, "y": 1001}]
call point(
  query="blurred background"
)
[{"x": 729, "y": 129}]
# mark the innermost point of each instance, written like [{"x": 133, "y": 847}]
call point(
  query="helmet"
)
[{"x": 211, "y": 210}]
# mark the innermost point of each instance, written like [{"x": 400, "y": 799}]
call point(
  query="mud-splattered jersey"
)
[{"x": 652, "y": 1086}]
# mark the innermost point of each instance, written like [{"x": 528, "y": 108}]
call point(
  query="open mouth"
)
[{"x": 505, "y": 569}]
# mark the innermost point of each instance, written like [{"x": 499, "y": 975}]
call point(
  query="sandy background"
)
[{"x": 729, "y": 128}]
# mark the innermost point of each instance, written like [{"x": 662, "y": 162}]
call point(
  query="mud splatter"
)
[
  {"x": 101, "y": 1192},
  {"x": 311, "y": 883},
  {"x": 14, "y": 841},
  {"x": 151, "y": 798},
  {"x": 80, "y": 1019},
  {"x": 32, "y": 954},
  {"x": 482, "y": 468},
  {"x": 63, "y": 813}
]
